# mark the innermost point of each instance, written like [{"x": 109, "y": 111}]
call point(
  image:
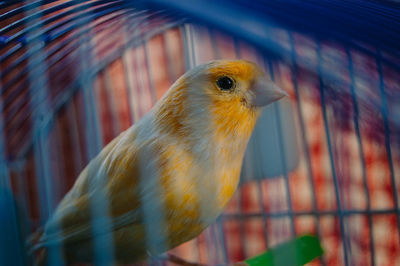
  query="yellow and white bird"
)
[{"x": 165, "y": 179}]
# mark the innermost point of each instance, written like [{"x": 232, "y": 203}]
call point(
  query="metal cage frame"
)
[{"x": 36, "y": 35}]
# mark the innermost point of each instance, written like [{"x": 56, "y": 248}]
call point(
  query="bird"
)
[{"x": 165, "y": 179}]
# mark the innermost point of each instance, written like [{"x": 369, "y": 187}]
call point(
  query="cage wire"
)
[{"x": 74, "y": 74}]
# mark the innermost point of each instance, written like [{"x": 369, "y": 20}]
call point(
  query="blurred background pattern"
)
[{"x": 74, "y": 74}]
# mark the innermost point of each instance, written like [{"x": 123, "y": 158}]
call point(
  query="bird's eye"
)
[{"x": 225, "y": 83}]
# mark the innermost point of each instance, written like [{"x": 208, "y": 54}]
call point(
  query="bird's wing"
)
[{"x": 113, "y": 176}]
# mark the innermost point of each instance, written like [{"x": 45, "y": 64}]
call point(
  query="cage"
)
[{"x": 325, "y": 161}]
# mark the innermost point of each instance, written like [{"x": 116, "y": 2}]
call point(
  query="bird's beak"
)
[{"x": 264, "y": 92}]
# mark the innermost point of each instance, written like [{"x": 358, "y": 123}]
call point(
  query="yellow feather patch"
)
[
  {"x": 232, "y": 119},
  {"x": 229, "y": 181},
  {"x": 241, "y": 69},
  {"x": 181, "y": 194},
  {"x": 171, "y": 111}
]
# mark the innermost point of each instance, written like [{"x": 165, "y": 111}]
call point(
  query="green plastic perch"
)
[{"x": 298, "y": 251}]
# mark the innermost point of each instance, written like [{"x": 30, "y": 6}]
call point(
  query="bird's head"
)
[
  {"x": 238, "y": 83},
  {"x": 222, "y": 97}
]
